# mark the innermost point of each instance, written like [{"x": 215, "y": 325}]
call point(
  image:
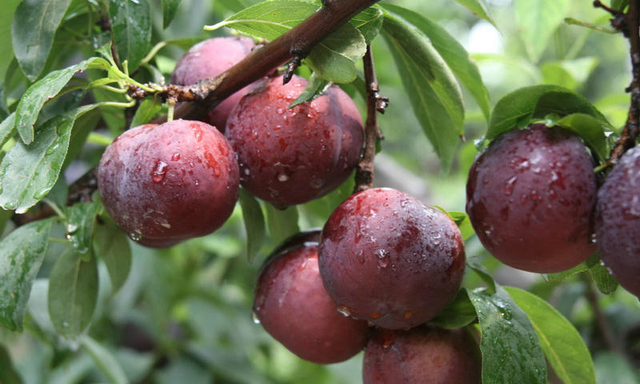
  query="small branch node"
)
[{"x": 295, "y": 62}]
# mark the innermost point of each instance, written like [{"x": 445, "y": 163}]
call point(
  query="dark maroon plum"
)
[
  {"x": 291, "y": 156},
  {"x": 387, "y": 258},
  {"x": 166, "y": 183},
  {"x": 531, "y": 197},
  {"x": 293, "y": 306},
  {"x": 425, "y": 355},
  {"x": 209, "y": 59},
  {"x": 618, "y": 221}
]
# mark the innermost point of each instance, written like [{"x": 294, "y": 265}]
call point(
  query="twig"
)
[{"x": 375, "y": 103}]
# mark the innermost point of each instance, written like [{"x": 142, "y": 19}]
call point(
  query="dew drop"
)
[
  {"x": 71, "y": 228},
  {"x": 255, "y": 318},
  {"x": 280, "y": 111},
  {"x": 135, "y": 236},
  {"x": 159, "y": 171},
  {"x": 344, "y": 311},
  {"x": 282, "y": 177},
  {"x": 316, "y": 183},
  {"x": 508, "y": 187},
  {"x": 175, "y": 157}
]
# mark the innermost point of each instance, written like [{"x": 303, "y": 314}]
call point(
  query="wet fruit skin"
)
[
  {"x": 531, "y": 197},
  {"x": 166, "y": 183},
  {"x": 425, "y": 354},
  {"x": 290, "y": 157},
  {"x": 387, "y": 258},
  {"x": 618, "y": 221},
  {"x": 209, "y": 59},
  {"x": 293, "y": 306}
]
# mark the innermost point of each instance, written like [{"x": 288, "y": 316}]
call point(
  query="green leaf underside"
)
[
  {"x": 146, "y": 111},
  {"x": 73, "y": 292},
  {"x": 606, "y": 283},
  {"x": 43, "y": 90},
  {"x": 7, "y": 129},
  {"x": 537, "y": 21},
  {"x": 478, "y": 8},
  {"x": 368, "y": 22},
  {"x": 562, "y": 344},
  {"x": 315, "y": 87},
  {"x": 521, "y": 106},
  {"x": 131, "y": 26},
  {"x": 453, "y": 53},
  {"x": 81, "y": 219},
  {"x": 29, "y": 172},
  {"x": 253, "y": 223},
  {"x": 169, "y": 10},
  {"x": 32, "y": 31},
  {"x": 112, "y": 246},
  {"x": 104, "y": 360},
  {"x": 431, "y": 87},
  {"x": 511, "y": 352},
  {"x": 21, "y": 255},
  {"x": 282, "y": 224},
  {"x": 591, "y": 130}
]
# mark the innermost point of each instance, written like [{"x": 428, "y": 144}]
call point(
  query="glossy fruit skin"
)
[
  {"x": 531, "y": 197},
  {"x": 290, "y": 157},
  {"x": 166, "y": 183},
  {"x": 618, "y": 221},
  {"x": 387, "y": 258},
  {"x": 293, "y": 306},
  {"x": 209, "y": 59},
  {"x": 425, "y": 355}
]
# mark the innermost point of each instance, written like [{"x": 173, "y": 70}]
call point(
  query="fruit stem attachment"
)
[{"x": 375, "y": 103}]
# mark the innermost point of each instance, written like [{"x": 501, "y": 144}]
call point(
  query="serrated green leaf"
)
[
  {"x": 368, "y": 22},
  {"x": 80, "y": 225},
  {"x": 511, "y": 352},
  {"x": 315, "y": 87},
  {"x": 146, "y": 111},
  {"x": 6, "y": 49},
  {"x": 537, "y": 20},
  {"x": 131, "y": 26},
  {"x": 8, "y": 374},
  {"x": 253, "y": 223},
  {"x": 457, "y": 314},
  {"x": 29, "y": 172},
  {"x": 560, "y": 341},
  {"x": 73, "y": 292},
  {"x": 453, "y": 53},
  {"x": 282, "y": 224},
  {"x": 431, "y": 87},
  {"x": 112, "y": 246},
  {"x": 44, "y": 90},
  {"x": 591, "y": 130},
  {"x": 519, "y": 107},
  {"x": 169, "y": 10},
  {"x": 104, "y": 360},
  {"x": 479, "y": 8},
  {"x": 32, "y": 31},
  {"x": 21, "y": 255}
]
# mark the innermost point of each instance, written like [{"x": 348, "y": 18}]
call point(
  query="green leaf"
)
[
  {"x": 4, "y": 218},
  {"x": 7, "y": 129},
  {"x": 537, "y": 20},
  {"x": 606, "y": 283},
  {"x": 253, "y": 223},
  {"x": 169, "y": 10},
  {"x": 479, "y": 8},
  {"x": 560, "y": 341},
  {"x": 431, "y": 87},
  {"x": 591, "y": 130},
  {"x": 510, "y": 349},
  {"x": 29, "y": 172},
  {"x": 315, "y": 87},
  {"x": 282, "y": 223},
  {"x": 335, "y": 58},
  {"x": 131, "y": 26},
  {"x": 619, "y": 5},
  {"x": 6, "y": 49},
  {"x": 112, "y": 246},
  {"x": 146, "y": 111},
  {"x": 104, "y": 360},
  {"x": 32, "y": 31},
  {"x": 44, "y": 90},
  {"x": 482, "y": 272},
  {"x": 614, "y": 369},
  {"x": 80, "y": 224},
  {"x": 463, "y": 222},
  {"x": 73, "y": 292},
  {"x": 21, "y": 255},
  {"x": 519, "y": 107},
  {"x": 452, "y": 52},
  {"x": 8, "y": 374},
  {"x": 368, "y": 22},
  {"x": 457, "y": 314}
]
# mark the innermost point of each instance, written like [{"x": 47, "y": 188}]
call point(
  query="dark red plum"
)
[
  {"x": 425, "y": 355},
  {"x": 292, "y": 156},
  {"x": 618, "y": 221},
  {"x": 209, "y": 59},
  {"x": 387, "y": 258},
  {"x": 293, "y": 306},
  {"x": 166, "y": 183},
  {"x": 531, "y": 197}
]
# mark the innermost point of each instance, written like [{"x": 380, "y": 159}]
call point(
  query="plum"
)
[
  {"x": 210, "y": 58},
  {"x": 291, "y": 156},
  {"x": 387, "y": 258},
  {"x": 618, "y": 221},
  {"x": 293, "y": 306},
  {"x": 531, "y": 197},
  {"x": 166, "y": 183},
  {"x": 425, "y": 354}
]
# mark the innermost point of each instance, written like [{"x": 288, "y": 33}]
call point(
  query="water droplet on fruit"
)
[
  {"x": 344, "y": 311},
  {"x": 280, "y": 111},
  {"x": 197, "y": 182},
  {"x": 509, "y": 185},
  {"x": 594, "y": 238},
  {"x": 135, "y": 236},
  {"x": 316, "y": 183},
  {"x": 383, "y": 257},
  {"x": 159, "y": 171},
  {"x": 255, "y": 318},
  {"x": 138, "y": 168},
  {"x": 282, "y": 177},
  {"x": 247, "y": 171},
  {"x": 175, "y": 157}
]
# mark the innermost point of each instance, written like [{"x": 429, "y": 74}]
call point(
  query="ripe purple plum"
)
[
  {"x": 425, "y": 354},
  {"x": 618, "y": 221},
  {"x": 209, "y": 59},
  {"x": 293, "y": 306},
  {"x": 531, "y": 197},
  {"x": 387, "y": 258},
  {"x": 166, "y": 183},
  {"x": 292, "y": 156}
]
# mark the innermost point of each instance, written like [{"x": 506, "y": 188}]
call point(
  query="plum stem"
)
[{"x": 375, "y": 104}]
